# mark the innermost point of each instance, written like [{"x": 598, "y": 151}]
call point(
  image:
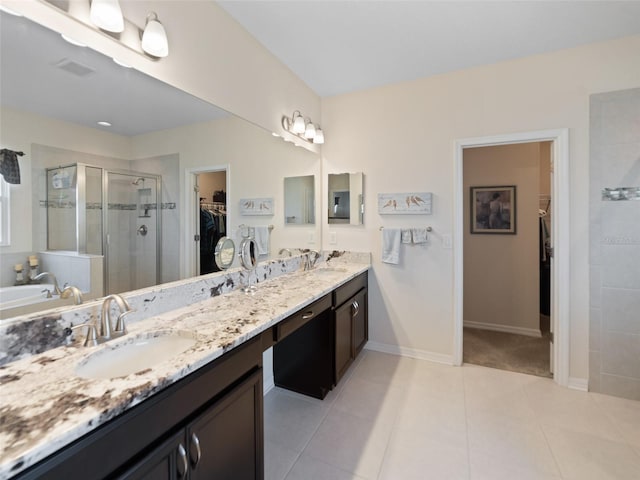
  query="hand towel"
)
[
  {"x": 419, "y": 235},
  {"x": 391, "y": 245},
  {"x": 262, "y": 239},
  {"x": 9, "y": 166},
  {"x": 406, "y": 235}
]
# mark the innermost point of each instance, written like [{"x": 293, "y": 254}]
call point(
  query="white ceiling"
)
[
  {"x": 343, "y": 46},
  {"x": 131, "y": 101}
]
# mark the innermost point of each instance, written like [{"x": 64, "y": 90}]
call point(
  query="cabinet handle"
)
[
  {"x": 196, "y": 443},
  {"x": 182, "y": 461},
  {"x": 308, "y": 315},
  {"x": 356, "y": 308}
]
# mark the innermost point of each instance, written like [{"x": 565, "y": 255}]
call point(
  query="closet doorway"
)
[
  {"x": 206, "y": 217},
  {"x": 560, "y": 281},
  {"x": 507, "y": 266}
]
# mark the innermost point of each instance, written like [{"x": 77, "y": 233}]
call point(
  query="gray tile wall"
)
[{"x": 614, "y": 235}]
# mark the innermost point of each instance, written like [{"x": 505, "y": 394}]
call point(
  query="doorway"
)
[
  {"x": 559, "y": 277},
  {"x": 506, "y": 257},
  {"x": 206, "y": 216}
]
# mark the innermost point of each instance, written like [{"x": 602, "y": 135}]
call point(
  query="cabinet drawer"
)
[
  {"x": 349, "y": 289},
  {"x": 295, "y": 321}
]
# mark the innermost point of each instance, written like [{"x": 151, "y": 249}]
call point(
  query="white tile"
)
[
  {"x": 309, "y": 468},
  {"x": 624, "y": 413},
  {"x": 422, "y": 412},
  {"x": 350, "y": 443},
  {"x": 369, "y": 400},
  {"x": 620, "y": 309},
  {"x": 385, "y": 369},
  {"x": 486, "y": 467},
  {"x": 278, "y": 460},
  {"x": 582, "y": 456},
  {"x": 620, "y": 266},
  {"x": 290, "y": 421},
  {"x": 621, "y": 354},
  {"x": 571, "y": 409},
  {"x": 414, "y": 455},
  {"x": 518, "y": 445}
]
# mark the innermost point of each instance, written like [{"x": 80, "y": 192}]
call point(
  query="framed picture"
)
[
  {"x": 493, "y": 209},
  {"x": 404, "y": 203},
  {"x": 256, "y": 206}
]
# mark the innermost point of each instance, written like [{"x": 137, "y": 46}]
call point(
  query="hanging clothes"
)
[
  {"x": 545, "y": 268},
  {"x": 9, "y": 166}
]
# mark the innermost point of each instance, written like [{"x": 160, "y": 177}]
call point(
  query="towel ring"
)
[{"x": 429, "y": 229}]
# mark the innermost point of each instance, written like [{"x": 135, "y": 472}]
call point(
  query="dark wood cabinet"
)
[
  {"x": 221, "y": 404},
  {"x": 351, "y": 324},
  {"x": 312, "y": 357}
]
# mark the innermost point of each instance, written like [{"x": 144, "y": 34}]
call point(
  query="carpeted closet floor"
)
[{"x": 508, "y": 351}]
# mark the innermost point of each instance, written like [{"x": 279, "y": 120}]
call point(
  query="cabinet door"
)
[
  {"x": 343, "y": 332},
  {"x": 359, "y": 315},
  {"x": 226, "y": 442},
  {"x": 166, "y": 462}
]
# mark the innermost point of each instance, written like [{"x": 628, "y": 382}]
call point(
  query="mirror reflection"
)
[
  {"x": 346, "y": 205},
  {"x": 299, "y": 200},
  {"x": 225, "y": 252},
  {"x": 161, "y": 140}
]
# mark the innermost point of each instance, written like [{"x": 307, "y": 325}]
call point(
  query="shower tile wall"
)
[{"x": 614, "y": 345}]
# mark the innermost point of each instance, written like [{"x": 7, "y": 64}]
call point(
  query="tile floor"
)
[{"x": 397, "y": 418}]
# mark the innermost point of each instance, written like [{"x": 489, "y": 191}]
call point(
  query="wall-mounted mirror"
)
[
  {"x": 346, "y": 200},
  {"x": 225, "y": 253},
  {"x": 49, "y": 111},
  {"x": 299, "y": 200}
]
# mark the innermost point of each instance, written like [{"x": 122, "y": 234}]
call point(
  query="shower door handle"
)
[{"x": 142, "y": 230}]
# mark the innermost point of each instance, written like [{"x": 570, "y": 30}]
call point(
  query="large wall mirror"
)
[
  {"x": 52, "y": 94},
  {"x": 346, "y": 200}
]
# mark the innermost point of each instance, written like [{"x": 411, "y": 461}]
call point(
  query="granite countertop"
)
[{"x": 44, "y": 405}]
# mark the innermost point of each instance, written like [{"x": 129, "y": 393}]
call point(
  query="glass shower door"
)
[{"x": 132, "y": 231}]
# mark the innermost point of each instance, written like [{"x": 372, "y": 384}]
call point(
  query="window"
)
[{"x": 4, "y": 212}]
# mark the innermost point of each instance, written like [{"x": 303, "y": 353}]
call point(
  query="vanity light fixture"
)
[
  {"x": 107, "y": 15},
  {"x": 70, "y": 40},
  {"x": 118, "y": 62},
  {"x": 301, "y": 128},
  {"x": 154, "y": 37},
  {"x": 102, "y": 123}
]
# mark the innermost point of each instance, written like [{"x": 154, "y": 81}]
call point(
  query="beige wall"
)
[
  {"x": 502, "y": 271},
  {"x": 402, "y": 137}
]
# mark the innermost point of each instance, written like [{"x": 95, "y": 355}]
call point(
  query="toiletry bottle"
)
[{"x": 19, "y": 276}]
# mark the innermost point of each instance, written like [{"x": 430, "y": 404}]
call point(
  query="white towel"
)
[
  {"x": 261, "y": 233},
  {"x": 419, "y": 235},
  {"x": 406, "y": 235},
  {"x": 391, "y": 245}
]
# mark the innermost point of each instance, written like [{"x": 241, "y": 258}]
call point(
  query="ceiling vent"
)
[{"x": 75, "y": 68}]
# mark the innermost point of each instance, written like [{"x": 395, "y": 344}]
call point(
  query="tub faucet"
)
[
  {"x": 105, "y": 324},
  {"x": 283, "y": 250},
  {"x": 71, "y": 291},
  {"x": 52, "y": 277},
  {"x": 312, "y": 258}
]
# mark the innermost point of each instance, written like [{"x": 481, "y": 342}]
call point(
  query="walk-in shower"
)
[{"x": 114, "y": 213}]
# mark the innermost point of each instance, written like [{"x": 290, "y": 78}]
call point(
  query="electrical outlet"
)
[
  {"x": 447, "y": 241},
  {"x": 312, "y": 237},
  {"x": 333, "y": 238}
]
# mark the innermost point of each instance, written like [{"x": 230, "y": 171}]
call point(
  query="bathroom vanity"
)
[{"x": 198, "y": 415}]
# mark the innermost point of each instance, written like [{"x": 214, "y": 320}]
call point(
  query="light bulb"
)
[
  {"x": 154, "y": 37},
  {"x": 107, "y": 15}
]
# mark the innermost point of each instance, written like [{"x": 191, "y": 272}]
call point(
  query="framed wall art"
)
[
  {"x": 493, "y": 209},
  {"x": 256, "y": 206},
  {"x": 404, "y": 203}
]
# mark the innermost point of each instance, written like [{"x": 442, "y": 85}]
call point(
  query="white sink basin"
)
[{"x": 135, "y": 354}]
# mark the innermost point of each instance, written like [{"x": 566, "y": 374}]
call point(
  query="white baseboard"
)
[
  {"x": 267, "y": 385},
  {"x": 410, "y": 352},
  {"x": 581, "y": 384},
  {"x": 529, "y": 332}
]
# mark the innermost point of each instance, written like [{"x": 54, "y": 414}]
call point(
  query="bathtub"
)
[{"x": 19, "y": 296}]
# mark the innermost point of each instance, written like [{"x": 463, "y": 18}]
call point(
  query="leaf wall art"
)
[{"x": 256, "y": 206}]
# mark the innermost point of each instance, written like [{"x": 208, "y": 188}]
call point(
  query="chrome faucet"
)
[
  {"x": 52, "y": 277},
  {"x": 309, "y": 261},
  {"x": 283, "y": 250},
  {"x": 71, "y": 291},
  {"x": 105, "y": 324}
]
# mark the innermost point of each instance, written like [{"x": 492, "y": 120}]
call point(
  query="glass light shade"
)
[
  {"x": 107, "y": 15},
  {"x": 319, "y": 137},
  {"x": 310, "y": 131},
  {"x": 154, "y": 38},
  {"x": 298, "y": 124}
]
